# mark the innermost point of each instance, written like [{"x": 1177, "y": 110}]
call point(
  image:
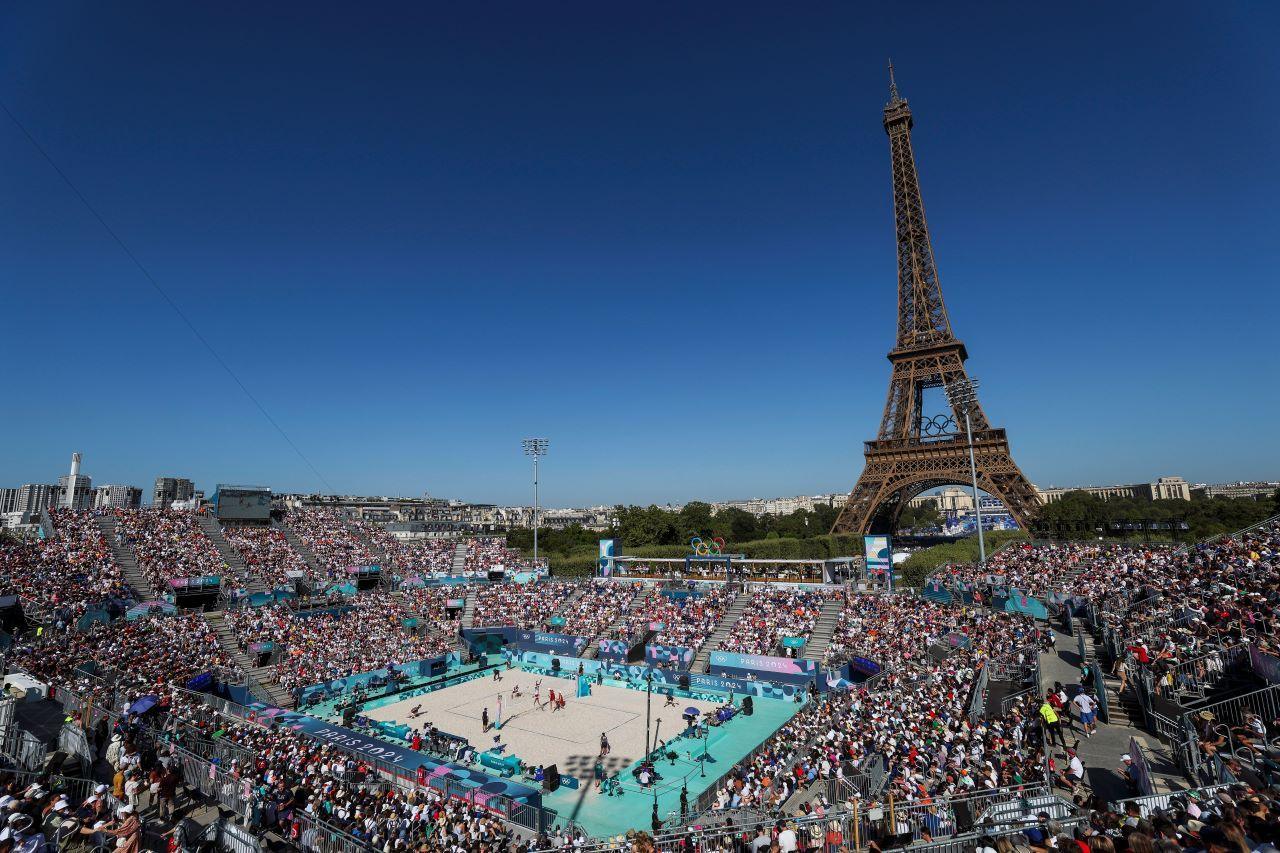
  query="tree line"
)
[{"x": 1080, "y": 515}]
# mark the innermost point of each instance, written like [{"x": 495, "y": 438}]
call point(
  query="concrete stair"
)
[
  {"x": 469, "y": 612},
  {"x": 593, "y": 648},
  {"x": 459, "y": 558},
  {"x": 379, "y": 555},
  {"x": 126, "y": 559},
  {"x": 236, "y": 566},
  {"x": 823, "y": 630},
  {"x": 734, "y": 613},
  {"x": 1123, "y": 710},
  {"x": 566, "y": 607},
  {"x": 300, "y": 548},
  {"x": 263, "y": 681}
]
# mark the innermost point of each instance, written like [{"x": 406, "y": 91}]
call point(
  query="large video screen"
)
[{"x": 244, "y": 504}]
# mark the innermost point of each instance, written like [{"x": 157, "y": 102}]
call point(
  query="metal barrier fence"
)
[
  {"x": 1153, "y": 802},
  {"x": 22, "y": 748},
  {"x": 968, "y": 842},
  {"x": 1032, "y": 692},
  {"x": 994, "y": 813},
  {"x": 1265, "y": 703},
  {"x": 1100, "y": 690},
  {"x": 1199, "y": 675},
  {"x": 75, "y": 788},
  {"x": 978, "y": 698},
  {"x": 75, "y": 741},
  {"x": 316, "y": 836},
  {"x": 235, "y": 839}
]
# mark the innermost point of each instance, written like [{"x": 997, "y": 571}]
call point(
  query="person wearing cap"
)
[
  {"x": 21, "y": 834},
  {"x": 55, "y": 814},
  {"x": 128, "y": 833}
]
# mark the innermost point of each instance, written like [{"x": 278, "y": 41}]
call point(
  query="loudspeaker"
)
[
  {"x": 555, "y": 664},
  {"x": 747, "y": 706},
  {"x": 551, "y": 778},
  {"x": 684, "y": 682}
]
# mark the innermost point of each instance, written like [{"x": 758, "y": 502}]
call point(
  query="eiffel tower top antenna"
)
[
  {"x": 914, "y": 451},
  {"x": 894, "y": 97}
]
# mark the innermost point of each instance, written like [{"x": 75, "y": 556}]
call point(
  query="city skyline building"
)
[{"x": 167, "y": 490}]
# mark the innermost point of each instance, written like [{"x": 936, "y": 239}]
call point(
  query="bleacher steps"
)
[
  {"x": 236, "y": 566},
  {"x": 469, "y": 612},
  {"x": 460, "y": 558},
  {"x": 263, "y": 675},
  {"x": 300, "y": 548},
  {"x": 823, "y": 630},
  {"x": 126, "y": 559},
  {"x": 739, "y": 607},
  {"x": 593, "y": 648}
]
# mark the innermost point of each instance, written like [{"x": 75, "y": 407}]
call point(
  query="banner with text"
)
[{"x": 788, "y": 670}]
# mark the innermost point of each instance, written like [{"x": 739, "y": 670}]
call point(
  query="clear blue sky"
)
[{"x": 659, "y": 234}]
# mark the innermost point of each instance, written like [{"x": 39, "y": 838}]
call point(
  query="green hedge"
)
[
  {"x": 580, "y": 563},
  {"x": 916, "y": 568}
]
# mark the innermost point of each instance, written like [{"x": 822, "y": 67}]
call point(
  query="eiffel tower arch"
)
[{"x": 916, "y": 451}]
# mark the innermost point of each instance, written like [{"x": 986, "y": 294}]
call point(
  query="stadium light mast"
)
[
  {"x": 535, "y": 447},
  {"x": 962, "y": 394}
]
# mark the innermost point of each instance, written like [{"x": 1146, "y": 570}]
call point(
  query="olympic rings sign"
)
[{"x": 707, "y": 547}]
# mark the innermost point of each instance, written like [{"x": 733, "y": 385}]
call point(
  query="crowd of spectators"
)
[
  {"x": 139, "y": 657},
  {"x": 333, "y": 539},
  {"x": 598, "y": 608},
  {"x": 488, "y": 552},
  {"x": 431, "y": 603},
  {"x": 527, "y": 605},
  {"x": 267, "y": 553},
  {"x": 772, "y": 614},
  {"x": 913, "y": 722},
  {"x": 365, "y": 635},
  {"x": 700, "y": 614},
  {"x": 425, "y": 557},
  {"x": 66, "y": 574},
  {"x": 169, "y": 545}
]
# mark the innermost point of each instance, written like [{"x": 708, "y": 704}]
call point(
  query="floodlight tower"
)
[
  {"x": 535, "y": 447},
  {"x": 962, "y": 394}
]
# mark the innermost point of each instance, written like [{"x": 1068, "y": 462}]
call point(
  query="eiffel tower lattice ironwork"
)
[{"x": 913, "y": 451}]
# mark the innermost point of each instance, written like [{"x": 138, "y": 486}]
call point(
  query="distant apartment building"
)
[
  {"x": 954, "y": 500},
  {"x": 1254, "y": 490},
  {"x": 117, "y": 497},
  {"x": 780, "y": 506},
  {"x": 1165, "y": 488},
  {"x": 170, "y": 489},
  {"x": 34, "y": 497}
]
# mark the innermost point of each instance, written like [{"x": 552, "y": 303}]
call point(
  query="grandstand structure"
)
[{"x": 1176, "y": 643}]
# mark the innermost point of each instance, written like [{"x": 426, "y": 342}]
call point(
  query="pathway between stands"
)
[{"x": 1101, "y": 754}]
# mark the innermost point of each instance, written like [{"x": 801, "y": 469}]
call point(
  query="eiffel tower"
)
[{"x": 914, "y": 451}]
